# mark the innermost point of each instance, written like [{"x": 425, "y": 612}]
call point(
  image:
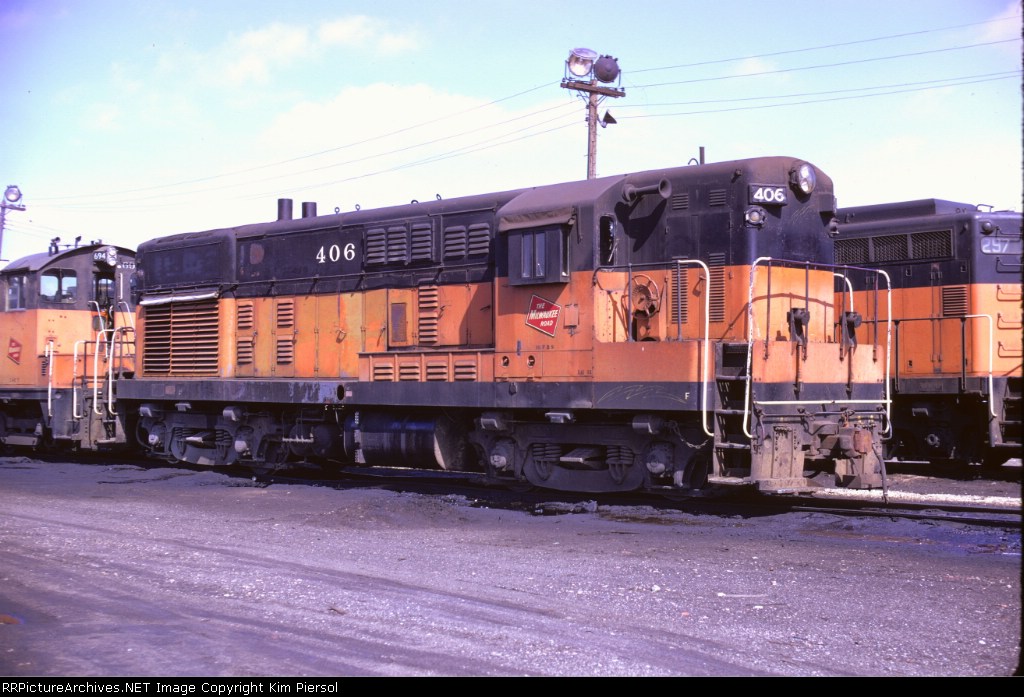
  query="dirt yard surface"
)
[{"x": 122, "y": 571}]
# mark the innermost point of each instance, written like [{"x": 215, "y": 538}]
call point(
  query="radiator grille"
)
[
  {"x": 852, "y": 251},
  {"x": 932, "y": 245},
  {"x": 181, "y": 339},
  {"x": 890, "y": 248}
]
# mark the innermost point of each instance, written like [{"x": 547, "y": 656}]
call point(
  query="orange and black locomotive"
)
[
  {"x": 956, "y": 312},
  {"x": 68, "y": 329},
  {"x": 657, "y": 329}
]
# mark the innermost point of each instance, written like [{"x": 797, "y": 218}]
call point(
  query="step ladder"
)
[{"x": 731, "y": 444}]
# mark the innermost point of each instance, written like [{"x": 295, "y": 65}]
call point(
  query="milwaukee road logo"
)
[
  {"x": 543, "y": 315},
  {"x": 14, "y": 351}
]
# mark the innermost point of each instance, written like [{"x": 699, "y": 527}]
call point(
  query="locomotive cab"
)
[{"x": 70, "y": 335}]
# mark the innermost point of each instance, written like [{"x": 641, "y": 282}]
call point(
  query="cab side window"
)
[
  {"x": 58, "y": 286},
  {"x": 539, "y": 255},
  {"x": 15, "y": 293}
]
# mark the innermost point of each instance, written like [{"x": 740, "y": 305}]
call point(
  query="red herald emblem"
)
[
  {"x": 14, "y": 351},
  {"x": 543, "y": 315}
]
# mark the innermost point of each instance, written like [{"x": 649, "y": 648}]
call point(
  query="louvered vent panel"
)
[
  {"x": 422, "y": 242},
  {"x": 479, "y": 239},
  {"x": 285, "y": 351},
  {"x": 409, "y": 371},
  {"x": 246, "y": 317},
  {"x": 954, "y": 301},
  {"x": 244, "y": 350},
  {"x": 680, "y": 202},
  {"x": 398, "y": 245},
  {"x": 937, "y": 244},
  {"x": 680, "y": 295},
  {"x": 285, "y": 314},
  {"x": 376, "y": 246},
  {"x": 157, "y": 340},
  {"x": 853, "y": 251},
  {"x": 383, "y": 372},
  {"x": 716, "y": 262},
  {"x": 717, "y": 197},
  {"x": 182, "y": 339},
  {"x": 437, "y": 371},
  {"x": 454, "y": 242},
  {"x": 429, "y": 313},
  {"x": 465, "y": 370},
  {"x": 889, "y": 248}
]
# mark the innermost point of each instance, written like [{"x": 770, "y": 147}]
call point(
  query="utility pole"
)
[
  {"x": 12, "y": 196},
  {"x": 584, "y": 69}
]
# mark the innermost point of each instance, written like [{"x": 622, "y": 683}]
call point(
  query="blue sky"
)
[{"x": 125, "y": 120}]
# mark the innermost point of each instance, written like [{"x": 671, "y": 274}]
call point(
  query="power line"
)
[
  {"x": 911, "y": 87},
  {"x": 823, "y": 47},
  {"x": 827, "y": 65},
  {"x": 815, "y": 101}
]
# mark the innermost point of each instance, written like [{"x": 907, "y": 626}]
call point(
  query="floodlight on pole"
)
[
  {"x": 584, "y": 69},
  {"x": 10, "y": 201}
]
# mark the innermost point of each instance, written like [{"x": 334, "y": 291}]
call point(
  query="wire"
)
[
  {"x": 823, "y": 47},
  {"x": 911, "y": 87},
  {"x": 826, "y": 65}
]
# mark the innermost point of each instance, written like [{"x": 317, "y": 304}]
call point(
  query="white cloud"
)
[
  {"x": 253, "y": 55},
  {"x": 363, "y": 31}
]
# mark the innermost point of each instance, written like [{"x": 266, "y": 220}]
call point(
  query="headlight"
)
[
  {"x": 802, "y": 178},
  {"x": 755, "y": 216}
]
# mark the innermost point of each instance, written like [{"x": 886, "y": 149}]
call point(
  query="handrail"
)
[
  {"x": 127, "y": 311},
  {"x": 49, "y": 354},
  {"x": 963, "y": 348},
  {"x": 704, "y": 342},
  {"x": 100, "y": 335},
  {"x": 752, "y": 326},
  {"x": 74, "y": 379},
  {"x": 110, "y": 366},
  {"x": 849, "y": 286}
]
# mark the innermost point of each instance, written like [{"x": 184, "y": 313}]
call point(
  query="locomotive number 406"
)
[
  {"x": 336, "y": 252},
  {"x": 768, "y": 194}
]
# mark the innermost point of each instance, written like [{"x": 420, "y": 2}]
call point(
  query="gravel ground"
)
[{"x": 121, "y": 571}]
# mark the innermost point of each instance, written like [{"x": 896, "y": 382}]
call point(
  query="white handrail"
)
[
  {"x": 48, "y": 353},
  {"x": 74, "y": 379},
  {"x": 751, "y": 326},
  {"x": 704, "y": 342}
]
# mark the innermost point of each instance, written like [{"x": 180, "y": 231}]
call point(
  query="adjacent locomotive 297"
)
[
  {"x": 956, "y": 380},
  {"x": 653, "y": 329}
]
